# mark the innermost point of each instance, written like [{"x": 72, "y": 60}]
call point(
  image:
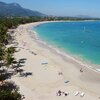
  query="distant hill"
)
[
  {"x": 15, "y": 9},
  {"x": 83, "y": 16}
]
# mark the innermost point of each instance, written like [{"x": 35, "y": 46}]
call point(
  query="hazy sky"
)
[{"x": 62, "y": 7}]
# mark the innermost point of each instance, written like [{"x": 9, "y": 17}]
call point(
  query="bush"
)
[{"x": 9, "y": 91}]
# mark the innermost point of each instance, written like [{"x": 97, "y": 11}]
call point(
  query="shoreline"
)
[
  {"x": 45, "y": 80},
  {"x": 64, "y": 54}
]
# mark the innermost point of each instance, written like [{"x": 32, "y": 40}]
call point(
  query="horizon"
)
[{"x": 72, "y": 8}]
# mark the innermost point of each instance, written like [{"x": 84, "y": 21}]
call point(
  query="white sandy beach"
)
[{"x": 60, "y": 73}]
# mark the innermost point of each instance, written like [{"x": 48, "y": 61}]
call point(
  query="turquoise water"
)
[{"x": 81, "y": 39}]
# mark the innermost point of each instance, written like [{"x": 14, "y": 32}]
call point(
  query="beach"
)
[{"x": 50, "y": 72}]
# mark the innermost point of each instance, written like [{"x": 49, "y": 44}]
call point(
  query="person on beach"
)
[
  {"x": 60, "y": 73},
  {"x": 59, "y": 93},
  {"x": 66, "y": 94},
  {"x": 81, "y": 70}
]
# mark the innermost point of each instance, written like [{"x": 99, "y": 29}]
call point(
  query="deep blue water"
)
[{"x": 80, "y": 39}]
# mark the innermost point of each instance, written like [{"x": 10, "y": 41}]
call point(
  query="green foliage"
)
[
  {"x": 8, "y": 59},
  {"x": 1, "y": 52},
  {"x": 2, "y": 77},
  {"x": 9, "y": 91},
  {"x": 3, "y": 33},
  {"x": 15, "y": 9},
  {"x": 8, "y": 56},
  {"x": 8, "y": 95},
  {"x": 10, "y": 50}
]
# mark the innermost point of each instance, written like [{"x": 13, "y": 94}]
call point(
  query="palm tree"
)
[
  {"x": 8, "y": 57},
  {"x": 1, "y": 55},
  {"x": 3, "y": 34},
  {"x": 10, "y": 50},
  {"x": 9, "y": 91},
  {"x": 1, "y": 52},
  {"x": 8, "y": 60}
]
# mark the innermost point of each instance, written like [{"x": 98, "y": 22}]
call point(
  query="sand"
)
[{"x": 60, "y": 72}]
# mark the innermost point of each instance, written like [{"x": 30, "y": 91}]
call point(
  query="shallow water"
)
[{"x": 81, "y": 39}]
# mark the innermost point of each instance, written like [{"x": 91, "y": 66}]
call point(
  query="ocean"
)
[{"x": 79, "y": 39}]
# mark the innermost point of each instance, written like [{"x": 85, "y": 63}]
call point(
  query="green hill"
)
[{"x": 15, "y": 9}]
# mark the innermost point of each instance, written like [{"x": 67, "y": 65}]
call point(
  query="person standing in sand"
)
[
  {"x": 59, "y": 93},
  {"x": 81, "y": 70}
]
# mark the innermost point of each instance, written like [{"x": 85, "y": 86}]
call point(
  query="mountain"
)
[{"x": 15, "y": 9}]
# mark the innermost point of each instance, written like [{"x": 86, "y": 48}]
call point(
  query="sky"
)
[{"x": 62, "y": 7}]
